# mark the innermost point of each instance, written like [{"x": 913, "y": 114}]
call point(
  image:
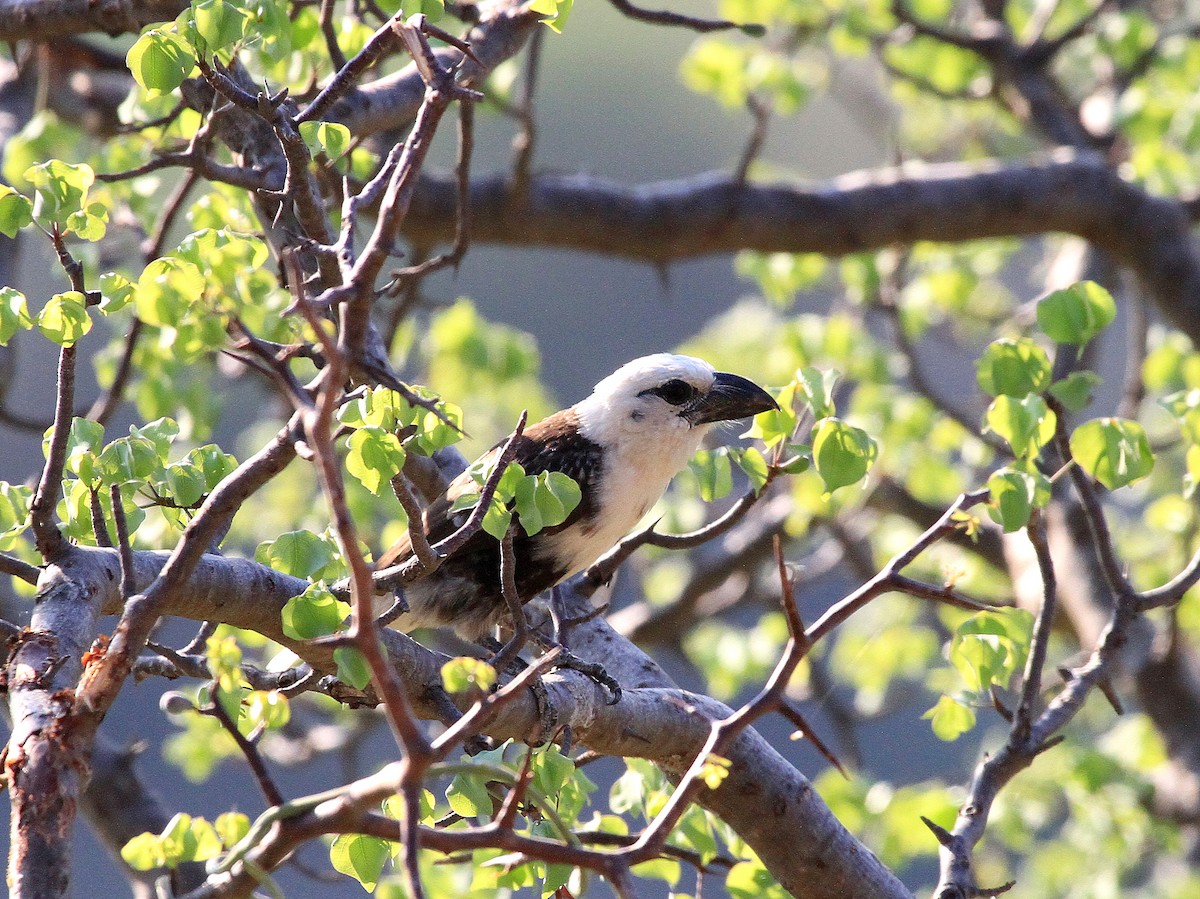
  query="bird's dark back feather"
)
[{"x": 553, "y": 444}]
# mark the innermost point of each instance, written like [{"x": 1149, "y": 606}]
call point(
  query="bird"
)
[{"x": 622, "y": 445}]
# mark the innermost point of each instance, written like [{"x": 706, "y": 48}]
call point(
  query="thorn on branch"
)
[
  {"x": 995, "y": 891},
  {"x": 943, "y": 836},
  {"x": 431, "y": 30},
  {"x": 1108, "y": 691},
  {"x": 806, "y": 732},
  {"x": 1049, "y": 744},
  {"x": 1001, "y": 709},
  {"x": 787, "y": 597}
]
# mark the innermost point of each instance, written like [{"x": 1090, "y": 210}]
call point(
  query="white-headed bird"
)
[{"x": 622, "y": 445}]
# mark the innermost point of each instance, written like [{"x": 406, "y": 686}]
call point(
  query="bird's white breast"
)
[{"x": 635, "y": 475}]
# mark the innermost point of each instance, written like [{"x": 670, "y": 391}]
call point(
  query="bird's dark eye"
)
[{"x": 676, "y": 392}]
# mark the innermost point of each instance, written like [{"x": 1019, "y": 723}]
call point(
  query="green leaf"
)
[
  {"x": 1026, "y": 422},
  {"x": 14, "y": 509},
  {"x": 1075, "y": 390},
  {"x": 143, "y": 852},
  {"x": 776, "y": 425},
  {"x": 83, "y": 442},
  {"x": 1013, "y": 495},
  {"x": 557, "y": 495},
  {"x": 64, "y": 318},
  {"x": 468, "y": 796},
  {"x": 816, "y": 387},
  {"x": 126, "y": 459},
  {"x": 166, "y": 290},
  {"x": 213, "y": 463},
  {"x": 552, "y": 771},
  {"x": 265, "y": 708},
  {"x": 161, "y": 432},
  {"x": 1013, "y": 368},
  {"x": 842, "y": 453},
  {"x": 188, "y": 839},
  {"x": 330, "y": 137},
  {"x": 465, "y": 673},
  {"x": 375, "y": 457},
  {"x": 160, "y": 60},
  {"x": 554, "y": 11},
  {"x": 665, "y": 869},
  {"x": 1113, "y": 451},
  {"x": 752, "y": 463},
  {"x": 14, "y": 314},
  {"x": 219, "y": 22},
  {"x": 298, "y": 553},
  {"x": 750, "y": 880},
  {"x": 60, "y": 188},
  {"x": 225, "y": 662},
  {"x": 116, "y": 291},
  {"x": 950, "y": 719},
  {"x": 1077, "y": 314},
  {"x": 497, "y": 520},
  {"x": 231, "y": 827},
  {"x": 990, "y": 647},
  {"x": 185, "y": 484},
  {"x": 89, "y": 223},
  {"x": 314, "y": 613},
  {"x": 352, "y": 667},
  {"x": 714, "y": 475},
  {"x": 16, "y": 211},
  {"x": 361, "y": 857}
]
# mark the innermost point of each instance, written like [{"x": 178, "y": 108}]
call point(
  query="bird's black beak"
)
[{"x": 731, "y": 396}]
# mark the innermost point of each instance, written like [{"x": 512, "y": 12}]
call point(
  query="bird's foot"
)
[
  {"x": 505, "y": 655},
  {"x": 593, "y": 670},
  {"x": 398, "y": 607}
]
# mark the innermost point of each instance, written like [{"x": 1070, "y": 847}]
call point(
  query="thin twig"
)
[
  {"x": 525, "y": 140},
  {"x": 249, "y": 750},
  {"x": 336, "y": 56},
  {"x": 508, "y": 589},
  {"x": 99, "y": 526},
  {"x": 125, "y": 551},
  {"x": 402, "y": 279},
  {"x": 19, "y": 568},
  {"x": 415, "y": 514},
  {"x": 665, "y": 17},
  {"x": 411, "y": 569},
  {"x": 1040, "y": 639},
  {"x": 47, "y": 537},
  {"x": 603, "y": 569}
]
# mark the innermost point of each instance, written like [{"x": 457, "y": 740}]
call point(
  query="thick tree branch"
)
[
  {"x": 654, "y": 719},
  {"x": 47, "y": 19},
  {"x": 1063, "y": 192}
]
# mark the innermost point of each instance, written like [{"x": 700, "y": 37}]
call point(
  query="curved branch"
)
[{"x": 1064, "y": 192}]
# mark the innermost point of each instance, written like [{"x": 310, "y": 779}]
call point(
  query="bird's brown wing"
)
[{"x": 552, "y": 444}]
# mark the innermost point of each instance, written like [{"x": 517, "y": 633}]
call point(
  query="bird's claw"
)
[{"x": 593, "y": 670}]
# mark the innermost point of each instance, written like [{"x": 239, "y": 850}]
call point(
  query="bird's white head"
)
[
  {"x": 666, "y": 399},
  {"x": 648, "y": 417}
]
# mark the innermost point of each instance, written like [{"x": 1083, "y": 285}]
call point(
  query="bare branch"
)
[
  {"x": 664, "y": 222},
  {"x": 48, "y": 19},
  {"x": 665, "y": 17},
  {"x": 19, "y": 568}
]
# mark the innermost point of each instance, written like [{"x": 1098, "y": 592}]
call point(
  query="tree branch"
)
[
  {"x": 48, "y": 19},
  {"x": 663, "y": 222}
]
